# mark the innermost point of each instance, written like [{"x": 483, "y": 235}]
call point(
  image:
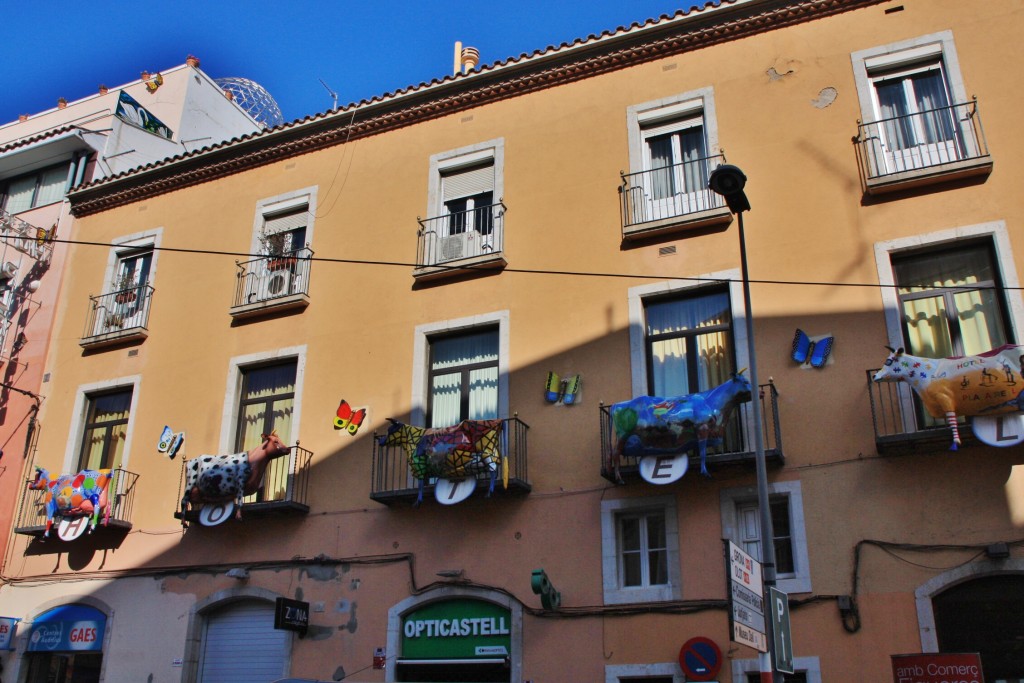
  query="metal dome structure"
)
[{"x": 254, "y": 98}]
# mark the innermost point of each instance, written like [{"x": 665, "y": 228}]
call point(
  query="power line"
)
[{"x": 543, "y": 271}]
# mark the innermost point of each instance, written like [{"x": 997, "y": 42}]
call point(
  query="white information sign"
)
[
  {"x": 999, "y": 430},
  {"x": 748, "y": 636},
  {"x": 747, "y": 591},
  {"x": 745, "y": 570},
  {"x": 663, "y": 469},
  {"x": 213, "y": 514},
  {"x": 70, "y": 528},
  {"x": 452, "y": 491}
]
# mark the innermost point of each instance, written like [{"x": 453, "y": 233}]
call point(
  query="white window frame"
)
[
  {"x": 637, "y": 322},
  {"x": 269, "y": 207},
  {"x": 76, "y": 430},
  {"x": 611, "y": 511},
  {"x": 128, "y": 246},
  {"x": 809, "y": 665},
  {"x": 731, "y": 499},
  {"x": 233, "y": 391},
  {"x": 614, "y": 673},
  {"x": 421, "y": 358},
  {"x": 451, "y": 160},
  {"x": 995, "y": 230}
]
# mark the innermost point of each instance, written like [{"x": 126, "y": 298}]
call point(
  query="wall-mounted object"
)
[
  {"x": 83, "y": 494},
  {"x": 812, "y": 351},
  {"x": 349, "y": 419},
  {"x": 565, "y": 391}
]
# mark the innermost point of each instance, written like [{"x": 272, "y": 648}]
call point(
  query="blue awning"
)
[{"x": 68, "y": 628}]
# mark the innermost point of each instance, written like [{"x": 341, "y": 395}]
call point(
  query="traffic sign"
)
[
  {"x": 781, "y": 633},
  {"x": 700, "y": 659},
  {"x": 747, "y": 603},
  {"x": 748, "y": 636},
  {"x": 744, "y": 569}
]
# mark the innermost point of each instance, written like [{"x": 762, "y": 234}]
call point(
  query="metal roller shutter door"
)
[{"x": 241, "y": 645}]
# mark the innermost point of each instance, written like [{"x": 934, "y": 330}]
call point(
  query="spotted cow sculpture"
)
[
  {"x": 83, "y": 494},
  {"x": 218, "y": 479},
  {"x": 987, "y": 384},
  {"x": 466, "y": 449},
  {"x": 653, "y": 425}
]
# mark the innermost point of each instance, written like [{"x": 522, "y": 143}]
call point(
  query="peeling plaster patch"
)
[
  {"x": 339, "y": 674},
  {"x": 319, "y": 632},
  {"x": 298, "y": 593},
  {"x": 355, "y": 584},
  {"x": 774, "y": 75},
  {"x": 353, "y": 622},
  {"x": 342, "y": 606},
  {"x": 826, "y": 97},
  {"x": 319, "y": 573}
]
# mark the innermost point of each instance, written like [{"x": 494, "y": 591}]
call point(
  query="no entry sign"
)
[{"x": 700, "y": 659}]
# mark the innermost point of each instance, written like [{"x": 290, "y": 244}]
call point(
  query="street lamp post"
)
[{"x": 728, "y": 181}]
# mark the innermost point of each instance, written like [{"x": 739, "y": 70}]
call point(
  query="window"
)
[
  {"x": 463, "y": 378},
  {"x": 35, "y": 189},
  {"x": 741, "y": 523},
  {"x": 950, "y": 299},
  {"x": 464, "y": 204},
  {"x": 281, "y": 234},
  {"x": 915, "y": 110},
  {"x": 808, "y": 670},
  {"x": 285, "y": 233},
  {"x": 267, "y": 404},
  {"x": 105, "y": 430},
  {"x": 673, "y": 146},
  {"x": 688, "y": 343},
  {"x": 460, "y": 370},
  {"x": 668, "y": 672},
  {"x": 686, "y": 336},
  {"x": 640, "y": 550}
]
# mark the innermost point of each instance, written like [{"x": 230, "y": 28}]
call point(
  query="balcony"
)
[
  {"x": 460, "y": 243},
  {"x": 737, "y": 447},
  {"x": 272, "y": 284},
  {"x": 285, "y": 489},
  {"x": 31, "y": 518},
  {"x": 117, "y": 317},
  {"x": 924, "y": 148},
  {"x": 28, "y": 239},
  {"x": 393, "y": 484},
  {"x": 901, "y": 428},
  {"x": 671, "y": 199}
]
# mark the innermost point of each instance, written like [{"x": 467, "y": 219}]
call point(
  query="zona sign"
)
[{"x": 700, "y": 659}]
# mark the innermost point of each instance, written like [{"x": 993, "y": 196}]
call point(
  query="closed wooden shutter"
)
[{"x": 241, "y": 645}]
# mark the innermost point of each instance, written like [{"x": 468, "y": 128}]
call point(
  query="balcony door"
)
[
  {"x": 917, "y": 125},
  {"x": 267, "y": 404},
  {"x": 676, "y": 166},
  {"x": 468, "y": 196}
]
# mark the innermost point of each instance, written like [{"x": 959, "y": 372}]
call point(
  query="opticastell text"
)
[{"x": 479, "y": 626}]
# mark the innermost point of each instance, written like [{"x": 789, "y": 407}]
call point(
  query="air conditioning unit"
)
[
  {"x": 462, "y": 245},
  {"x": 278, "y": 283},
  {"x": 9, "y": 269}
]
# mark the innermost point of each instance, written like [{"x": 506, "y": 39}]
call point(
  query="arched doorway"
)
[{"x": 985, "y": 615}]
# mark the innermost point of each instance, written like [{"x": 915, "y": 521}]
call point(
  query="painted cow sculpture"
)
[
  {"x": 652, "y": 425},
  {"x": 83, "y": 494},
  {"x": 987, "y": 384},
  {"x": 466, "y": 449},
  {"x": 219, "y": 479}
]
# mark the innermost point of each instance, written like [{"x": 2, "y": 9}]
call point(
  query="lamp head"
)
[{"x": 728, "y": 181}]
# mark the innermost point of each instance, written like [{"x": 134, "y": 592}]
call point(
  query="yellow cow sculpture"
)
[{"x": 987, "y": 384}]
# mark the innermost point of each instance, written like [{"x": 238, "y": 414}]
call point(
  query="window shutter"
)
[
  {"x": 285, "y": 221},
  {"x": 468, "y": 182},
  {"x": 242, "y": 646}
]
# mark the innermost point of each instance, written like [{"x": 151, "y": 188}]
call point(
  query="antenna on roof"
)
[{"x": 334, "y": 95}]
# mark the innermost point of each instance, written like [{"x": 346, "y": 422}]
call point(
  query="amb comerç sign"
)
[
  {"x": 937, "y": 668},
  {"x": 457, "y": 629}
]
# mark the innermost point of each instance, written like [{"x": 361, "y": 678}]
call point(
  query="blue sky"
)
[{"x": 66, "y": 48}]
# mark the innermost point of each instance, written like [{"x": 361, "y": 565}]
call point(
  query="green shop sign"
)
[{"x": 457, "y": 629}]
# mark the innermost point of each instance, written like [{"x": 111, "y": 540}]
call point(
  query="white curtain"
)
[
  {"x": 454, "y": 353},
  {"x": 686, "y": 317}
]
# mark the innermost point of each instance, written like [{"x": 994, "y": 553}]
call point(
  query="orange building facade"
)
[{"x": 437, "y": 255}]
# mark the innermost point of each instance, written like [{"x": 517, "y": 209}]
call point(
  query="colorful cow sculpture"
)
[
  {"x": 74, "y": 495},
  {"x": 652, "y": 425},
  {"x": 466, "y": 449},
  {"x": 218, "y": 479},
  {"x": 987, "y": 384}
]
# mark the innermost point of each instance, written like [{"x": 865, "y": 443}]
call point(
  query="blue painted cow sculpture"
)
[{"x": 653, "y": 425}]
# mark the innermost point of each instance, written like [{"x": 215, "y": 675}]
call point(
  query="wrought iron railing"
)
[
  {"x": 736, "y": 447},
  {"x": 30, "y": 240},
  {"x": 461, "y": 235},
  {"x": 118, "y": 313},
  {"x": 668, "y": 192},
  {"x": 392, "y": 481},
  {"x": 31, "y": 517},
  {"x": 285, "y": 486},
  {"x": 923, "y": 140},
  {"x": 899, "y": 422},
  {"x": 269, "y": 278}
]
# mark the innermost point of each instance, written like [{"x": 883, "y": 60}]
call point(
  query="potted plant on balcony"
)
[
  {"x": 114, "y": 320},
  {"x": 277, "y": 258},
  {"x": 124, "y": 288}
]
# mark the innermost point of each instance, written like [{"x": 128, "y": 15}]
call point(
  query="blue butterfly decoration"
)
[{"x": 817, "y": 352}]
